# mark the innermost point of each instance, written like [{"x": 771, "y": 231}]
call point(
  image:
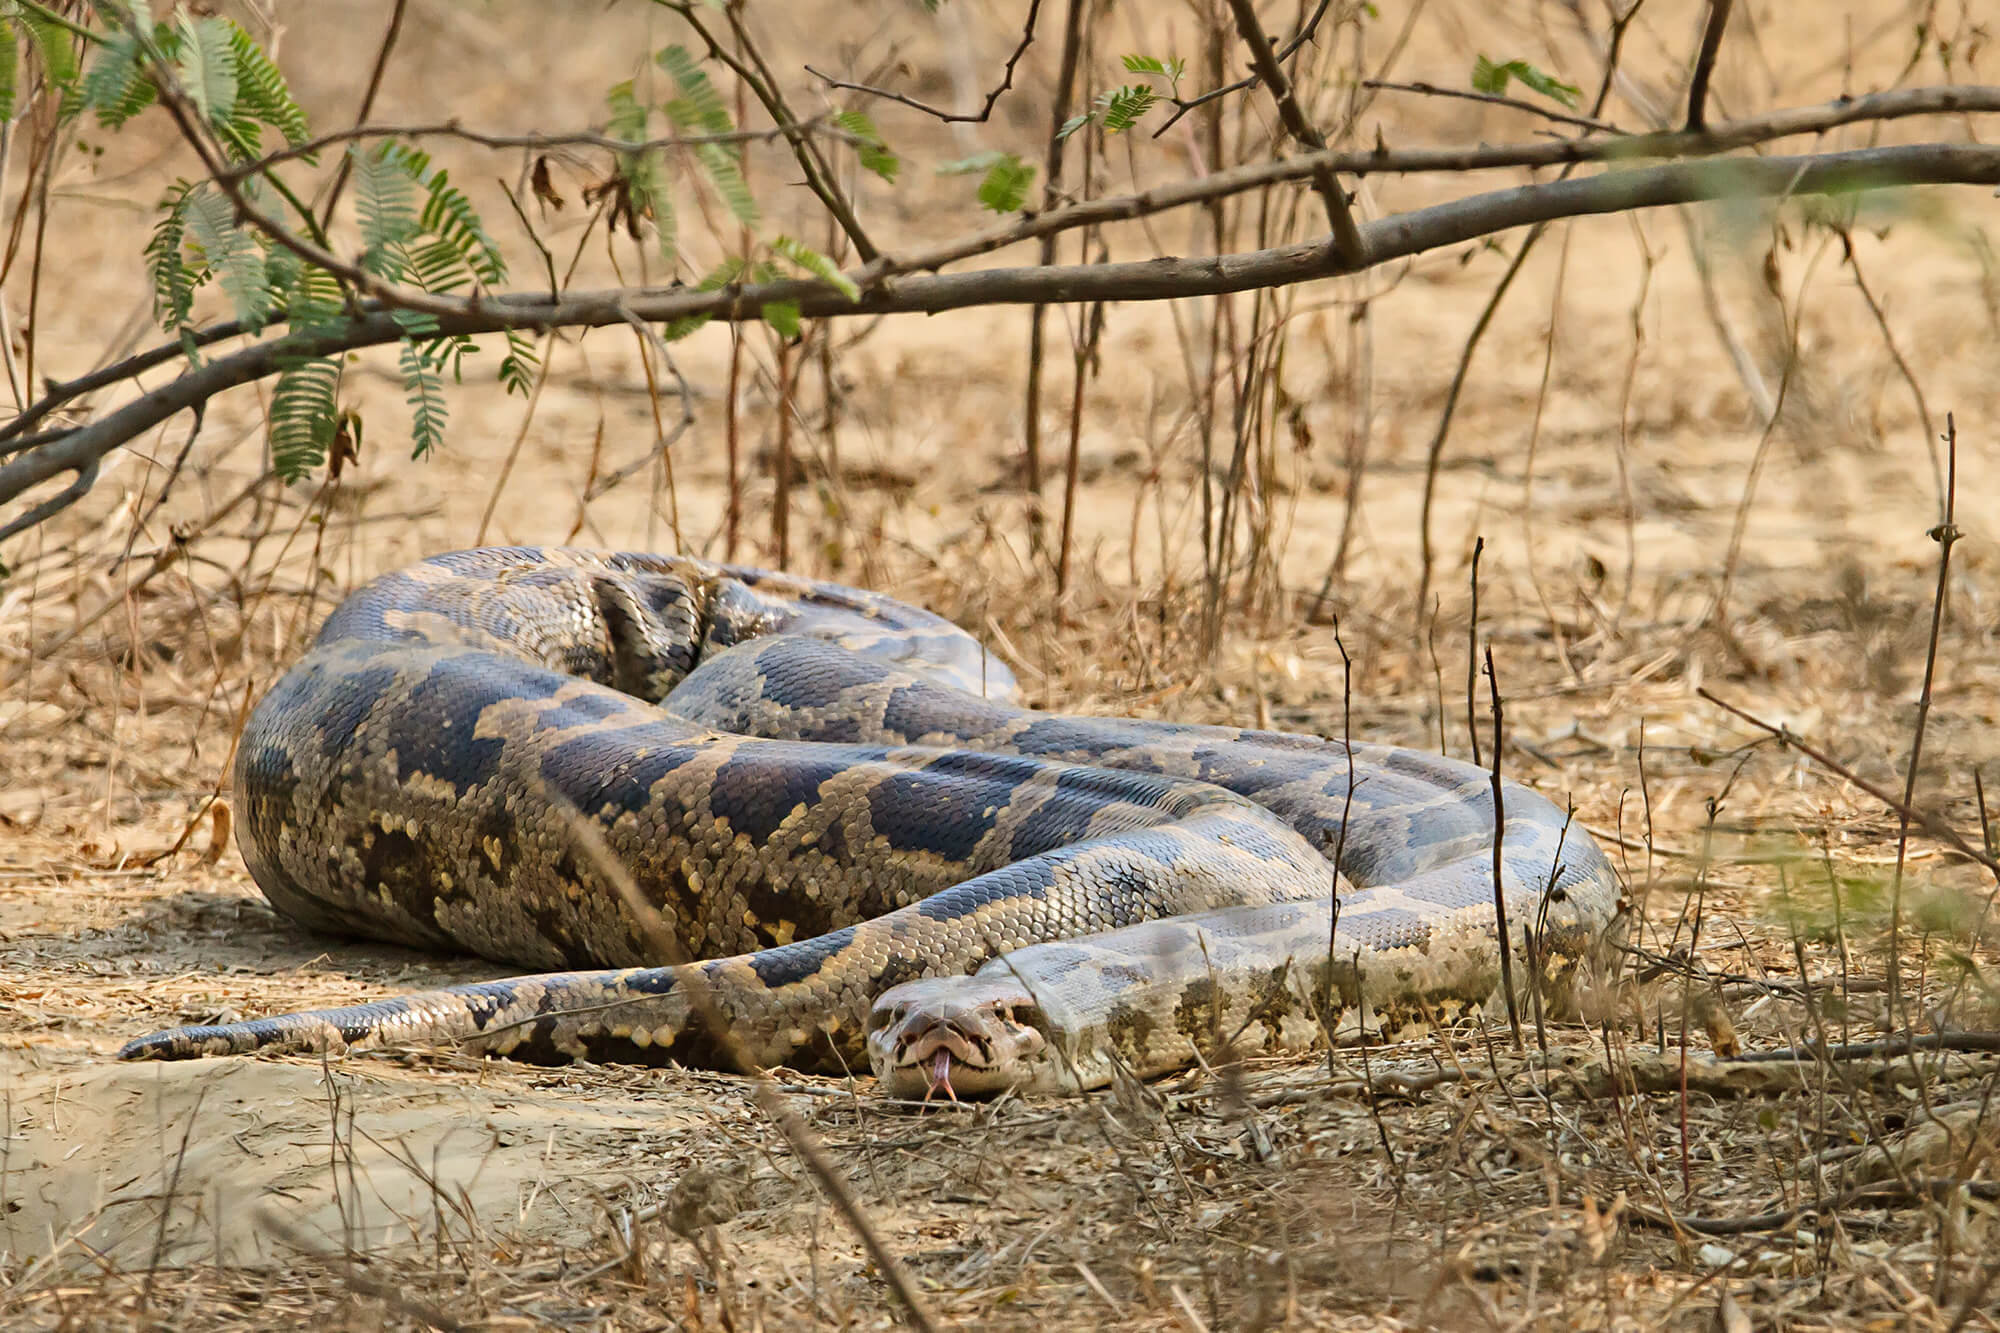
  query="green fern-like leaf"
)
[
  {"x": 725, "y": 173},
  {"x": 782, "y": 316},
  {"x": 1489, "y": 76},
  {"x": 666, "y": 221},
  {"x": 817, "y": 264},
  {"x": 645, "y": 173},
  {"x": 1005, "y": 188},
  {"x": 116, "y": 88},
  {"x": 208, "y": 67},
  {"x": 313, "y": 297},
  {"x": 52, "y": 44},
  {"x": 628, "y": 114},
  {"x": 425, "y": 393},
  {"x": 262, "y": 91},
  {"x": 676, "y": 329},
  {"x": 1121, "y": 108},
  {"x": 449, "y": 353},
  {"x": 450, "y": 216},
  {"x": 437, "y": 266},
  {"x": 303, "y": 416},
  {"x": 231, "y": 254},
  {"x": 174, "y": 279},
  {"x": 385, "y": 202},
  {"x": 1169, "y": 69},
  {"x": 728, "y": 271},
  {"x": 419, "y": 227},
  {"x": 521, "y": 364},
  {"x": 699, "y": 108},
  {"x": 10, "y": 67},
  {"x": 870, "y": 150},
  {"x": 416, "y": 324},
  {"x": 1004, "y": 182}
]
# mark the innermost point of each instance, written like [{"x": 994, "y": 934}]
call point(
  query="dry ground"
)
[{"x": 401, "y": 1189}]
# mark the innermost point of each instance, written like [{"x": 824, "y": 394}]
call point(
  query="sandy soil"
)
[{"x": 503, "y": 1195}]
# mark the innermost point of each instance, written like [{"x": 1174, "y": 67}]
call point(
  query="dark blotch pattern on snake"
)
[{"x": 821, "y": 791}]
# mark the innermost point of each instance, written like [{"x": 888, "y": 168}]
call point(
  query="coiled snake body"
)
[{"x": 826, "y": 793}]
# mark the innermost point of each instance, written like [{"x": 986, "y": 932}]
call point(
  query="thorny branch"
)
[
  {"x": 1346, "y": 240},
  {"x": 48, "y": 455},
  {"x": 820, "y": 125},
  {"x": 1117, "y": 208},
  {"x": 1305, "y": 34},
  {"x": 757, "y": 77}
]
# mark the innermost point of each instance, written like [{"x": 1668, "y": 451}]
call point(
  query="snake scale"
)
[{"x": 566, "y": 759}]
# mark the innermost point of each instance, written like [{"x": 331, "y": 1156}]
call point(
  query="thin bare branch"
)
[
  {"x": 951, "y": 117},
  {"x": 1931, "y": 822},
  {"x": 1944, "y": 534},
  {"x": 1145, "y": 203},
  {"x": 1552, "y": 152},
  {"x": 1704, "y": 64},
  {"x": 757, "y": 77},
  {"x": 1346, "y": 238},
  {"x": 1496, "y": 99},
  {"x": 820, "y": 125},
  {"x": 1183, "y": 105},
  {"x": 1052, "y": 169},
  {"x": 387, "y": 45},
  {"x": 1884, "y": 1194}
]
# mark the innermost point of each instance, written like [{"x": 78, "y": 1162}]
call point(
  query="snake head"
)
[{"x": 950, "y": 1035}]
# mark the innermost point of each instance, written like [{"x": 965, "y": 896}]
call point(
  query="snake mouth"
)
[{"x": 955, "y": 1037}]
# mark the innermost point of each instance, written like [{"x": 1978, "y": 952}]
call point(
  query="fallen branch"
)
[
  {"x": 1585, "y": 1072},
  {"x": 1888, "y": 1194},
  {"x": 1931, "y": 823}
]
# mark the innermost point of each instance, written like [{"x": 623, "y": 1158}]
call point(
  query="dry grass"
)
[{"x": 1446, "y": 1182}]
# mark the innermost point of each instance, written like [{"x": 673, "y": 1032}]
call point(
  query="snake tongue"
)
[{"x": 941, "y": 1075}]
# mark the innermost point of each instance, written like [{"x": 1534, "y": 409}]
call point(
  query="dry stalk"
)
[
  {"x": 1502, "y": 940},
  {"x": 1944, "y": 534},
  {"x": 666, "y": 944}
]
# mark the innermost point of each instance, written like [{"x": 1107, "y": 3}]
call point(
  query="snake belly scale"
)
[{"x": 823, "y": 794}]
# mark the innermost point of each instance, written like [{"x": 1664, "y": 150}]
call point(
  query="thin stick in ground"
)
[
  {"x": 666, "y": 944},
  {"x": 1501, "y": 939},
  {"x": 1472, "y": 656},
  {"x": 1944, "y": 534}
]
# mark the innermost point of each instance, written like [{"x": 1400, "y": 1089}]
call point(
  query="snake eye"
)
[{"x": 1021, "y": 1015}]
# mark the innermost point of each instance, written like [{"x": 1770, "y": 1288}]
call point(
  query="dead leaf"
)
[
  {"x": 218, "y": 833},
  {"x": 1600, "y": 1228},
  {"x": 543, "y": 184}
]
